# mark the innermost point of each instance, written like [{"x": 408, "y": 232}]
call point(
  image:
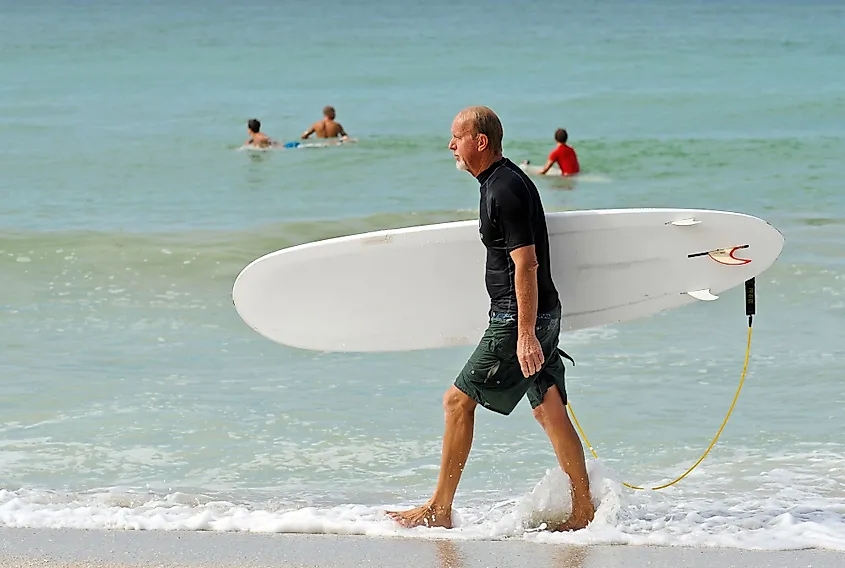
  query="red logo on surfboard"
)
[{"x": 727, "y": 256}]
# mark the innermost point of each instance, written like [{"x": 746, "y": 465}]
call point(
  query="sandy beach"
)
[{"x": 70, "y": 548}]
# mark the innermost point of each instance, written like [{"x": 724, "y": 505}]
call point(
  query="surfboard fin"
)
[
  {"x": 703, "y": 295},
  {"x": 685, "y": 222}
]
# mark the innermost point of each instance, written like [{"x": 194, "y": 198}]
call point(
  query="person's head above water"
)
[
  {"x": 328, "y": 112},
  {"x": 561, "y": 135},
  {"x": 254, "y": 125}
]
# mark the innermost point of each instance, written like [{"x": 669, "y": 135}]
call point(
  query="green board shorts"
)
[{"x": 492, "y": 375}]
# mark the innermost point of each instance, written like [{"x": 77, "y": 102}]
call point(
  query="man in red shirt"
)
[{"x": 564, "y": 155}]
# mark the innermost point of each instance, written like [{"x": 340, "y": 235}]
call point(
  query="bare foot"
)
[
  {"x": 578, "y": 520},
  {"x": 426, "y": 516}
]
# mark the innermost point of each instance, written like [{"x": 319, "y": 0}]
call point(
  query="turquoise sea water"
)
[{"x": 132, "y": 395}]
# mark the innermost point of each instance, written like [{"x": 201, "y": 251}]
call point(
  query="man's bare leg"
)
[
  {"x": 457, "y": 441},
  {"x": 552, "y": 416}
]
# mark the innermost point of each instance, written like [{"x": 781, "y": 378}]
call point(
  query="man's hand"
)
[{"x": 530, "y": 354}]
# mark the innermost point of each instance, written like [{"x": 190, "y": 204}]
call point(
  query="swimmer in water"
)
[
  {"x": 563, "y": 155},
  {"x": 327, "y": 127},
  {"x": 256, "y": 137}
]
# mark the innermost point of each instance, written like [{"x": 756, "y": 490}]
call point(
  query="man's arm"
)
[
  {"x": 553, "y": 157},
  {"x": 525, "y": 279},
  {"x": 528, "y": 348},
  {"x": 309, "y": 132}
]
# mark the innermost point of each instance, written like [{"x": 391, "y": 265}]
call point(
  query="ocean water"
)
[{"x": 132, "y": 396}]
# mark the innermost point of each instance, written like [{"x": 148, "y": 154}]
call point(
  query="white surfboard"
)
[
  {"x": 554, "y": 171},
  {"x": 423, "y": 287},
  {"x": 326, "y": 142}
]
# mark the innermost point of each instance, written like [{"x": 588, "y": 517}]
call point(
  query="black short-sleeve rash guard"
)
[{"x": 511, "y": 216}]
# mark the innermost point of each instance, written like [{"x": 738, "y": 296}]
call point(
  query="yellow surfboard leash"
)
[{"x": 750, "y": 308}]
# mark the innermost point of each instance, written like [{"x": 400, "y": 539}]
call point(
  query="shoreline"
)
[{"x": 82, "y": 548}]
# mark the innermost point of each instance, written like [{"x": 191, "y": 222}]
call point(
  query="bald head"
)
[{"x": 482, "y": 120}]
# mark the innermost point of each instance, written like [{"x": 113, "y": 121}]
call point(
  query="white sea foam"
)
[{"x": 788, "y": 520}]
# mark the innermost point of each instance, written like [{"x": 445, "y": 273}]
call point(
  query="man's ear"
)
[{"x": 483, "y": 142}]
